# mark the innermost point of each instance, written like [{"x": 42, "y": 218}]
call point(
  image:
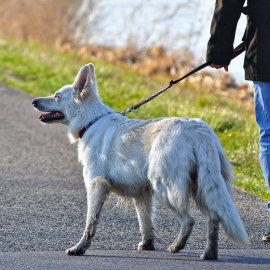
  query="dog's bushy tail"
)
[{"x": 214, "y": 188}]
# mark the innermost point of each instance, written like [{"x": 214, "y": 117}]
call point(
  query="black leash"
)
[{"x": 238, "y": 50}]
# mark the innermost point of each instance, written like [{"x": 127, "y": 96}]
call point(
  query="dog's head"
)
[{"x": 67, "y": 102}]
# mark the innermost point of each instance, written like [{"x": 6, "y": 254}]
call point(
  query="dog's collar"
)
[{"x": 81, "y": 133}]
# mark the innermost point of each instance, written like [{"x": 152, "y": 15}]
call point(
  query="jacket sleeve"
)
[{"x": 223, "y": 27}]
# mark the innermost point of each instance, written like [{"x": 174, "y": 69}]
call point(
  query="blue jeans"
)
[{"x": 262, "y": 113}]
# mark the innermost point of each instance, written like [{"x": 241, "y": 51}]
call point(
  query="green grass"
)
[{"x": 41, "y": 71}]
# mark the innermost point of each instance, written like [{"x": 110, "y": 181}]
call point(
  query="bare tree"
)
[{"x": 87, "y": 21}]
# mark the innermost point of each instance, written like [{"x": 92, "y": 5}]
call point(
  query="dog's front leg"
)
[{"x": 97, "y": 192}]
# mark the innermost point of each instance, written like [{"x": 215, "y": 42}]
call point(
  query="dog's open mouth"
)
[{"x": 52, "y": 116}]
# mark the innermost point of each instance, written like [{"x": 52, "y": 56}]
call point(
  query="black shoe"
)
[{"x": 266, "y": 235}]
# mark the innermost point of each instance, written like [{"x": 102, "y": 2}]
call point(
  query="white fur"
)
[{"x": 175, "y": 158}]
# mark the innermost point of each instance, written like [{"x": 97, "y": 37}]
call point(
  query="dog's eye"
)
[{"x": 57, "y": 97}]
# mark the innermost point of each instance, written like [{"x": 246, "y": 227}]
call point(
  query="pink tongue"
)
[{"x": 47, "y": 115}]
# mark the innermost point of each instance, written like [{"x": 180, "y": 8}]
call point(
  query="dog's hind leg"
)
[
  {"x": 186, "y": 224},
  {"x": 97, "y": 192},
  {"x": 179, "y": 204},
  {"x": 211, "y": 250},
  {"x": 144, "y": 207}
]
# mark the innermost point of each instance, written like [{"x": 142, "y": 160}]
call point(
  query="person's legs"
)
[{"x": 262, "y": 113}]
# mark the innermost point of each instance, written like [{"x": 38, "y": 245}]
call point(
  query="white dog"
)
[{"x": 174, "y": 158}]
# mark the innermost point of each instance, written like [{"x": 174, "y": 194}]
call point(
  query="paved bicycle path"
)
[{"x": 43, "y": 205}]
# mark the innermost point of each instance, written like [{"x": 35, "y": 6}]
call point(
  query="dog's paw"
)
[
  {"x": 82, "y": 246},
  {"x": 266, "y": 235},
  {"x": 176, "y": 247},
  {"x": 149, "y": 245},
  {"x": 209, "y": 255},
  {"x": 75, "y": 251}
]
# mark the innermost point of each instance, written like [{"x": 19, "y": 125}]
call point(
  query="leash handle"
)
[{"x": 237, "y": 50}]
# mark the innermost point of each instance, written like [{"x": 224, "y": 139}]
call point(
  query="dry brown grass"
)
[{"x": 37, "y": 20}]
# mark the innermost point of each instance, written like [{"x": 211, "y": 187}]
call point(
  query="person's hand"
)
[{"x": 219, "y": 66}]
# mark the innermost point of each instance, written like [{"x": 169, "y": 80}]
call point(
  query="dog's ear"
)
[
  {"x": 85, "y": 82},
  {"x": 92, "y": 75}
]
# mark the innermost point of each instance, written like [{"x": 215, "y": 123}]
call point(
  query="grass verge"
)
[{"x": 40, "y": 71}]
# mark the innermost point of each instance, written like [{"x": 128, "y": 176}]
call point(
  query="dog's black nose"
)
[{"x": 34, "y": 102}]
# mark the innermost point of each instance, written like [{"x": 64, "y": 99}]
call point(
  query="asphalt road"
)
[{"x": 43, "y": 208}]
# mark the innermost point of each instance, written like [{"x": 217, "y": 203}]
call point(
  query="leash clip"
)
[{"x": 124, "y": 113}]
